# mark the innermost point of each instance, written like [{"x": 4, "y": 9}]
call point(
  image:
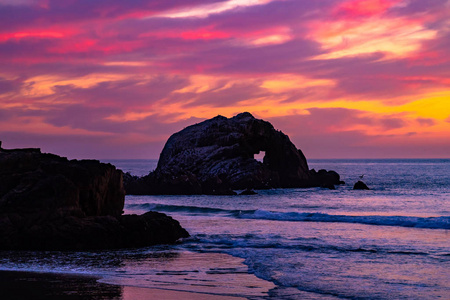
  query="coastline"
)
[{"x": 33, "y": 285}]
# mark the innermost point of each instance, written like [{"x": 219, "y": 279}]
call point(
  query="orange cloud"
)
[{"x": 396, "y": 37}]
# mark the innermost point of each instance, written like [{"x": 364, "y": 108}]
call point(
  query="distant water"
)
[
  {"x": 137, "y": 167},
  {"x": 392, "y": 242}
]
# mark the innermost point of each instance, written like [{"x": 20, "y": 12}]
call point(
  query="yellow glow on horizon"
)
[{"x": 435, "y": 105}]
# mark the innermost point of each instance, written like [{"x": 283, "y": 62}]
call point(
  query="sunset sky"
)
[{"x": 114, "y": 78}]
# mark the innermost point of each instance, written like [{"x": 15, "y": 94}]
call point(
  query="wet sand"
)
[{"x": 30, "y": 285}]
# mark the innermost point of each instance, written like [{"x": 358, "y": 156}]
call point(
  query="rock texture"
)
[
  {"x": 217, "y": 156},
  {"x": 49, "y": 202}
]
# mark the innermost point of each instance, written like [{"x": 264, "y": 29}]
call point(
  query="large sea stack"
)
[
  {"x": 48, "y": 202},
  {"x": 217, "y": 156}
]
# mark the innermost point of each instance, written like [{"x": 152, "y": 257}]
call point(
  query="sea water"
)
[{"x": 390, "y": 242}]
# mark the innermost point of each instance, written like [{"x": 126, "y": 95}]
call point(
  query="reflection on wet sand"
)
[{"x": 30, "y": 285}]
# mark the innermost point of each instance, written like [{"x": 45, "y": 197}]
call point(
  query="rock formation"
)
[
  {"x": 359, "y": 185},
  {"x": 217, "y": 156},
  {"x": 49, "y": 202}
]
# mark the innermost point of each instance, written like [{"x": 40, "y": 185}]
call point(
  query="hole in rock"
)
[{"x": 260, "y": 156}]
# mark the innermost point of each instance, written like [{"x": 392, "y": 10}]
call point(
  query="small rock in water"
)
[
  {"x": 360, "y": 186},
  {"x": 248, "y": 192}
]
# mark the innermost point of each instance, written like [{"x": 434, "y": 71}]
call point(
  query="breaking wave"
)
[{"x": 441, "y": 222}]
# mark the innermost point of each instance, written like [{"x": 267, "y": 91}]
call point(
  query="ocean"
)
[{"x": 390, "y": 242}]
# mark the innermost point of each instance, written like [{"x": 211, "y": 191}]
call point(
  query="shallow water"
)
[{"x": 392, "y": 242}]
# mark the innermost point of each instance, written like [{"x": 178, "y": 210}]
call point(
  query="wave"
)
[
  {"x": 442, "y": 222},
  {"x": 183, "y": 208},
  {"x": 236, "y": 243}
]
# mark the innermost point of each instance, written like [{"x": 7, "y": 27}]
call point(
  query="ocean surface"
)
[{"x": 391, "y": 242}]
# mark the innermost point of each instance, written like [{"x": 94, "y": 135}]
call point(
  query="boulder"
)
[
  {"x": 359, "y": 185},
  {"x": 48, "y": 202},
  {"x": 216, "y": 156}
]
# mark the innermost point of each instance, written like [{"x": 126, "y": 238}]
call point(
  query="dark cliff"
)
[{"x": 50, "y": 202}]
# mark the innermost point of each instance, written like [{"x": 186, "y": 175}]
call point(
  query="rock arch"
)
[{"x": 216, "y": 156}]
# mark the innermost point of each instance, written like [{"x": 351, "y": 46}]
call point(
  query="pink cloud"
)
[{"x": 364, "y": 8}]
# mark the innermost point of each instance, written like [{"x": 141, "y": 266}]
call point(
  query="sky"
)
[{"x": 111, "y": 79}]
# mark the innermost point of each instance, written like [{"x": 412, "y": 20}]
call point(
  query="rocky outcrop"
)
[
  {"x": 324, "y": 178},
  {"x": 32, "y": 181},
  {"x": 359, "y": 185},
  {"x": 49, "y": 202},
  {"x": 217, "y": 156}
]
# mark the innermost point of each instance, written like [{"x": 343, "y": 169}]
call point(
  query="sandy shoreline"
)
[{"x": 17, "y": 285}]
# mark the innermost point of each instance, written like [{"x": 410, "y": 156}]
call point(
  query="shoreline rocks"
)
[
  {"x": 216, "y": 156},
  {"x": 48, "y": 202}
]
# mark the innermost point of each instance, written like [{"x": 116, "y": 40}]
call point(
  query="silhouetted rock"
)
[
  {"x": 49, "y": 202},
  {"x": 324, "y": 178},
  {"x": 359, "y": 185},
  {"x": 151, "y": 228},
  {"x": 217, "y": 156}
]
